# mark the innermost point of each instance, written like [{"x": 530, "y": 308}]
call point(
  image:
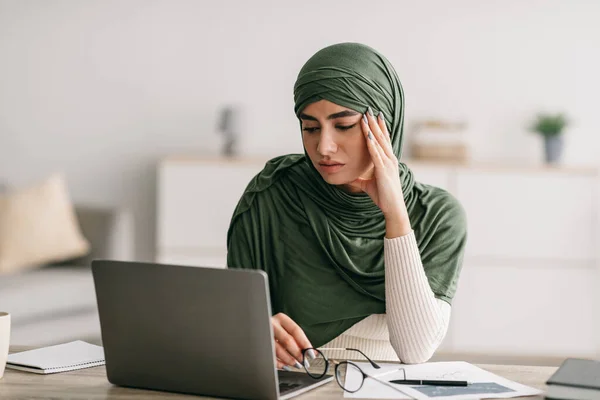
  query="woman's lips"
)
[{"x": 330, "y": 168}]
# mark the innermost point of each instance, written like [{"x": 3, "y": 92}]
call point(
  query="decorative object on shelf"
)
[
  {"x": 229, "y": 126},
  {"x": 551, "y": 127},
  {"x": 439, "y": 140}
]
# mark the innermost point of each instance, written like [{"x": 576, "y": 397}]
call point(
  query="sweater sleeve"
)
[{"x": 417, "y": 320}]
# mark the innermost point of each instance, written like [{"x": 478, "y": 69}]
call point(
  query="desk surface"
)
[{"x": 91, "y": 383}]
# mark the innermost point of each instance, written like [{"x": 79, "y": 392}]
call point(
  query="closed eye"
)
[
  {"x": 345, "y": 128},
  {"x": 340, "y": 127},
  {"x": 310, "y": 130}
]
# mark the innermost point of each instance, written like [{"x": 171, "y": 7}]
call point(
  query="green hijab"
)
[{"x": 321, "y": 246}]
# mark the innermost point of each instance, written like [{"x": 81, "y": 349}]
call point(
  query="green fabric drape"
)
[{"x": 322, "y": 247}]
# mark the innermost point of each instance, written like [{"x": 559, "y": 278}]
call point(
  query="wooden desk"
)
[{"x": 91, "y": 383}]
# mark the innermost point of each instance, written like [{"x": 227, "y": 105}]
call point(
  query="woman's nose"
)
[{"x": 326, "y": 144}]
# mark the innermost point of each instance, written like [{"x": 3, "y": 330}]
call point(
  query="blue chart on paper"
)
[{"x": 474, "y": 388}]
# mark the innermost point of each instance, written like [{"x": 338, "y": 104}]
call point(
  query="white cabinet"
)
[
  {"x": 533, "y": 216},
  {"x": 530, "y": 280},
  {"x": 520, "y": 311},
  {"x": 530, "y": 284}
]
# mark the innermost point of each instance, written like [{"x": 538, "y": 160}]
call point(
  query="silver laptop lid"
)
[{"x": 160, "y": 330}]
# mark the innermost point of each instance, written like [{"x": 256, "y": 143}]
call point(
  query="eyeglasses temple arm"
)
[{"x": 365, "y": 356}]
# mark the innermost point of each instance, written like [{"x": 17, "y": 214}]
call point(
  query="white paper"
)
[{"x": 482, "y": 384}]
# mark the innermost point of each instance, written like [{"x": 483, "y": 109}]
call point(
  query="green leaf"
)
[{"x": 549, "y": 124}]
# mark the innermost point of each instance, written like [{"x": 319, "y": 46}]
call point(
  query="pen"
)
[{"x": 429, "y": 382}]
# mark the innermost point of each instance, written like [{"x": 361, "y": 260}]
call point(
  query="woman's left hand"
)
[{"x": 384, "y": 187}]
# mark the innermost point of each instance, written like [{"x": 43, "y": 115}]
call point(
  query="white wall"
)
[{"x": 102, "y": 89}]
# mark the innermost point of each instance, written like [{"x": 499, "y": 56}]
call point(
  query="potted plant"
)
[{"x": 551, "y": 126}]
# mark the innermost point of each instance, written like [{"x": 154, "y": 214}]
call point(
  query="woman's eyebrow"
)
[
  {"x": 306, "y": 116},
  {"x": 341, "y": 114},
  {"x": 346, "y": 113}
]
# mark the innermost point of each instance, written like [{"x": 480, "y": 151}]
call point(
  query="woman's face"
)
[{"x": 335, "y": 142}]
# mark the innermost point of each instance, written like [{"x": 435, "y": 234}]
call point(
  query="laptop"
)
[{"x": 196, "y": 330}]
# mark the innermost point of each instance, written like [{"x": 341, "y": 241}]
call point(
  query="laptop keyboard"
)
[{"x": 285, "y": 387}]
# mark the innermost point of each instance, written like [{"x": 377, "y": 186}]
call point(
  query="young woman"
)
[{"x": 358, "y": 254}]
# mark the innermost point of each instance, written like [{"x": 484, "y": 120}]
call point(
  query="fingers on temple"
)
[
  {"x": 382, "y": 125},
  {"x": 374, "y": 148},
  {"x": 384, "y": 138}
]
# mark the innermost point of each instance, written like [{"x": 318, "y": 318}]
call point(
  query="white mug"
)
[{"x": 4, "y": 340}]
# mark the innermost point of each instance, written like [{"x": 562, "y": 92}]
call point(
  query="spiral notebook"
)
[{"x": 59, "y": 358}]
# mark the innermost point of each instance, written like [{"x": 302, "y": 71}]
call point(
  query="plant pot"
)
[{"x": 553, "y": 146}]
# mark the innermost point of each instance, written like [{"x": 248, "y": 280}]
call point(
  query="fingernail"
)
[
  {"x": 306, "y": 363},
  {"x": 370, "y": 135},
  {"x": 370, "y": 111},
  {"x": 365, "y": 118},
  {"x": 298, "y": 365},
  {"x": 381, "y": 115},
  {"x": 286, "y": 368},
  {"x": 311, "y": 354}
]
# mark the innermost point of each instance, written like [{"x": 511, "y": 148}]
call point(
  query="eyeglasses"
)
[{"x": 317, "y": 368}]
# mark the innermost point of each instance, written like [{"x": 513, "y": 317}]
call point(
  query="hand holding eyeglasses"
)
[
  {"x": 292, "y": 348},
  {"x": 290, "y": 339}
]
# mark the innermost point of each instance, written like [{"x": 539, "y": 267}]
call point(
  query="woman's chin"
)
[
  {"x": 334, "y": 180},
  {"x": 341, "y": 182}
]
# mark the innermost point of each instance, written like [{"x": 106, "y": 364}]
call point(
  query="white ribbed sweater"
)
[{"x": 416, "y": 322}]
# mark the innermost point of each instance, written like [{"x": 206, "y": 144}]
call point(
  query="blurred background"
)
[{"x": 129, "y": 129}]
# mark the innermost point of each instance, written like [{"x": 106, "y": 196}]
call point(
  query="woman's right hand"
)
[{"x": 290, "y": 340}]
